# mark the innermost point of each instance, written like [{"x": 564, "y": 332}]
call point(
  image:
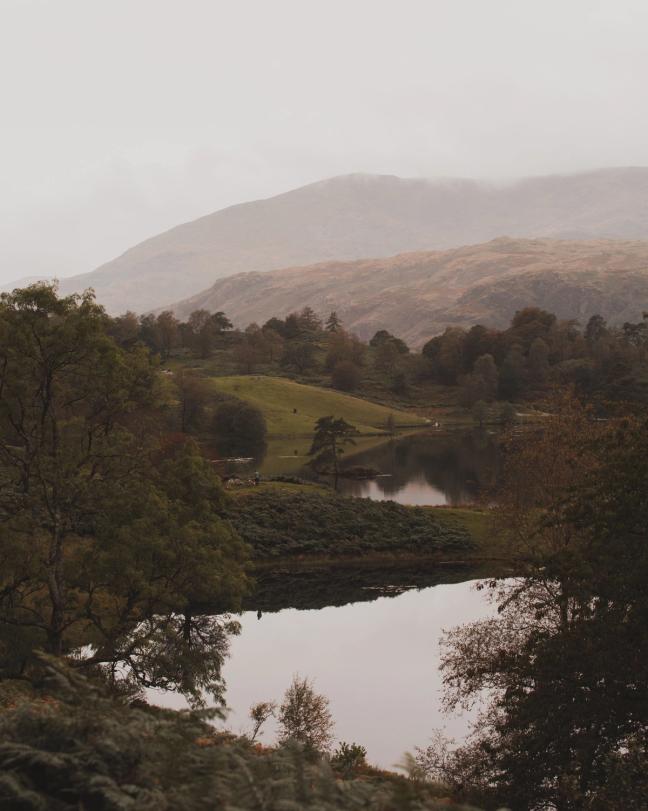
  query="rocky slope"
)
[{"x": 416, "y": 295}]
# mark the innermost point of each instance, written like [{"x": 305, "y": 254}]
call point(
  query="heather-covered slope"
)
[
  {"x": 357, "y": 216},
  {"x": 416, "y": 295}
]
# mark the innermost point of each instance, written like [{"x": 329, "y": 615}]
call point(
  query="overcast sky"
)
[{"x": 121, "y": 118}]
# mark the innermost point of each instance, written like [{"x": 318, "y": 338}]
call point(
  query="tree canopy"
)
[{"x": 109, "y": 533}]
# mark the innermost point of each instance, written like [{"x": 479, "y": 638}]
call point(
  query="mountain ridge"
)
[
  {"x": 417, "y": 294},
  {"x": 354, "y": 216}
]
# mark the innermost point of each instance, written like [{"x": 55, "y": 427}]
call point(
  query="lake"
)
[
  {"x": 431, "y": 468},
  {"x": 367, "y": 635},
  {"x": 377, "y": 659}
]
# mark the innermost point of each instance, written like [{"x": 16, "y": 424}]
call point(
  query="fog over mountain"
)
[
  {"x": 360, "y": 216},
  {"x": 417, "y": 295}
]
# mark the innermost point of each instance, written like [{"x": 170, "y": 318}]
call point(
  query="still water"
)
[
  {"x": 368, "y": 638},
  {"x": 376, "y": 660},
  {"x": 429, "y": 468}
]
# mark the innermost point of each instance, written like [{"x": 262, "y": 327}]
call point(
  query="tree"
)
[
  {"x": 331, "y": 435},
  {"x": 482, "y": 384},
  {"x": 512, "y": 374},
  {"x": 239, "y": 428},
  {"x": 207, "y": 328},
  {"x": 106, "y": 537},
  {"x": 167, "y": 325},
  {"x": 383, "y": 337},
  {"x": 193, "y": 397},
  {"x": 565, "y": 659},
  {"x": 272, "y": 345},
  {"x": 445, "y": 355},
  {"x": 299, "y": 356},
  {"x": 277, "y": 325},
  {"x": 125, "y": 329},
  {"x": 387, "y": 357},
  {"x": 341, "y": 346},
  {"x": 595, "y": 330},
  {"x": 248, "y": 352},
  {"x": 259, "y": 714},
  {"x": 333, "y": 323},
  {"x": 486, "y": 369},
  {"x": 538, "y": 362},
  {"x": 304, "y": 716},
  {"x": 309, "y": 322},
  {"x": 346, "y": 376}
]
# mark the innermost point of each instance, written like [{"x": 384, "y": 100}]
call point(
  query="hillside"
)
[
  {"x": 416, "y": 295},
  {"x": 358, "y": 216},
  {"x": 291, "y": 409}
]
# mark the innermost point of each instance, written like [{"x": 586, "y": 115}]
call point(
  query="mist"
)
[{"x": 121, "y": 120}]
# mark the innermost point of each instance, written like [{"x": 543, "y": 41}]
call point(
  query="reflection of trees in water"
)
[
  {"x": 317, "y": 586},
  {"x": 462, "y": 466}
]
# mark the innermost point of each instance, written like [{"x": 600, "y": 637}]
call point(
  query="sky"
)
[{"x": 122, "y": 118}]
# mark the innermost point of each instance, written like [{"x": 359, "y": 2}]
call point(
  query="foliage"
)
[
  {"x": 69, "y": 746},
  {"x": 346, "y": 376},
  {"x": 239, "y": 428},
  {"x": 293, "y": 524},
  {"x": 349, "y": 757},
  {"x": 331, "y": 435},
  {"x": 537, "y": 352},
  {"x": 108, "y": 535},
  {"x": 194, "y": 398},
  {"x": 259, "y": 714},
  {"x": 299, "y": 356},
  {"x": 563, "y": 664},
  {"x": 304, "y": 716}
]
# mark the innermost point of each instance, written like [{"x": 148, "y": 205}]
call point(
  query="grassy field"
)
[
  {"x": 421, "y": 399},
  {"x": 278, "y": 398}
]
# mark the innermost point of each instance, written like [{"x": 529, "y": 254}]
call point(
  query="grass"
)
[{"x": 278, "y": 398}]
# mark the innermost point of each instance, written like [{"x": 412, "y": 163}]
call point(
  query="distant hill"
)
[
  {"x": 416, "y": 295},
  {"x": 357, "y": 216}
]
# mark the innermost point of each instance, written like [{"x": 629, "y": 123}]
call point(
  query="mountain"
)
[
  {"x": 357, "y": 216},
  {"x": 416, "y": 295}
]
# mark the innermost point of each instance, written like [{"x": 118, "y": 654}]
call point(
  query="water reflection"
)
[
  {"x": 429, "y": 469},
  {"x": 377, "y": 661},
  {"x": 423, "y": 469}
]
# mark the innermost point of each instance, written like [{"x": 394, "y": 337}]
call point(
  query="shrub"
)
[
  {"x": 349, "y": 757},
  {"x": 292, "y": 524},
  {"x": 239, "y": 427},
  {"x": 346, "y": 376}
]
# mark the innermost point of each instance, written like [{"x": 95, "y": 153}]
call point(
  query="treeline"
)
[
  {"x": 302, "y": 343},
  {"x": 534, "y": 354},
  {"x": 538, "y": 352}
]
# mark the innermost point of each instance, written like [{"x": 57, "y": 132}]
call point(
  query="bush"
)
[
  {"x": 239, "y": 428},
  {"x": 68, "y": 746},
  {"x": 346, "y": 376},
  {"x": 292, "y": 524},
  {"x": 349, "y": 757}
]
